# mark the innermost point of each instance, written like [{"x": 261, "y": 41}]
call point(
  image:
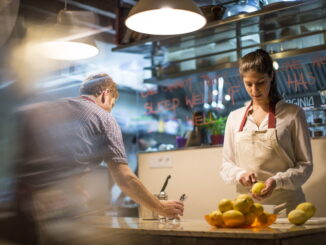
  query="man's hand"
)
[
  {"x": 248, "y": 179},
  {"x": 171, "y": 209},
  {"x": 131, "y": 186},
  {"x": 268, "y": 190}
]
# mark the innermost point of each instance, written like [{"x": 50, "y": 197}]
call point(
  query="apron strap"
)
[
  {"x": 244, "y": 119},
  {"x": 271, "y": 117}
]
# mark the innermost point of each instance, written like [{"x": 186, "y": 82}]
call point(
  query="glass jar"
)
[{"x": 162, "y": 196}]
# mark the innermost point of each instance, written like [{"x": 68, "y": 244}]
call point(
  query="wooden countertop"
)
[{"x": 199, "y": 228}]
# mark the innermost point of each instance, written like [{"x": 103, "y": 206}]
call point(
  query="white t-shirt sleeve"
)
[
  {"x": 229, "y": 171},
  {"x": 296, "y": 176}
]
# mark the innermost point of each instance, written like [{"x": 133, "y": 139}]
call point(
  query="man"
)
[{"x": 64, "y": 141}]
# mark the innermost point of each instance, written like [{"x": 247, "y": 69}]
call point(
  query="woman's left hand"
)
[{"x": 268, "y": 190}]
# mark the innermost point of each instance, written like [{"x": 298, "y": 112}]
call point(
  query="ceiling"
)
[{"x": 39, "y": 12}]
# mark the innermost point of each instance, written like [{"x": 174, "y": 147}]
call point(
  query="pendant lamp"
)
[
  {"x": 71, "y": 37},
  {"x": 165, "y": 17}
]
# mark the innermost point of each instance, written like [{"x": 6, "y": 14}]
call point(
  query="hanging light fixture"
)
[
  {"x": 71, "y": 36},
  {"x": 165, "y": 17}
]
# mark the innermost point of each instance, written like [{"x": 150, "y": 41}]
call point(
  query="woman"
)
[{"x": 267, "y": 140}]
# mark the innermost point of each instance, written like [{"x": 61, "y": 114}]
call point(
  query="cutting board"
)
[{"x": 311, "y": 221}]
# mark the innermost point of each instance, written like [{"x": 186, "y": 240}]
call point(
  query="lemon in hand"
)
[{"x": 257, "y": 187}]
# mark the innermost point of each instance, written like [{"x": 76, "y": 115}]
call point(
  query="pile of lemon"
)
[
  {"x": 302, "y": 213},
  {"x": 242, "y": 212}
]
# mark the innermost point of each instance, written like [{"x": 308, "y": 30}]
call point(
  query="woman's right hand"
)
[
  {"x": 248, "y": 179},
  {"x": 171, "y": 209}
]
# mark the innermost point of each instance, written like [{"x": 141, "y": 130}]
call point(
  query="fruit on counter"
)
[
  {"x": 297, "y": 217},
  {"x": 215, "y": 218},
  {"x": 264, "y": 220},
  {"x": 257, "y": 187},
  {"x": 225, "y": 205},
  {"x": 302, "y": 213},
  {"x": 249, "y": 219},
  {"x": 242, "y": 212},
  {"x": 233, "y": 218},
  {"x": 243, "y": 204},
  {"x": 257, "y": 209},
  {"x": 308, "y": 208},
  {"x": 244, "y": 196}
]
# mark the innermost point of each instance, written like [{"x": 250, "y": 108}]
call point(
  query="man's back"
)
[{"x": 66, "y": 137}]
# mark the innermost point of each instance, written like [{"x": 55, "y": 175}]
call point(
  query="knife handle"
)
[{"x": 165, "y": 183}]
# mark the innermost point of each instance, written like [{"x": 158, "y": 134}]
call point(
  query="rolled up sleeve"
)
[
  {"x": 115, "y": 150},
  {"x": 296, "y": 176},
  {"x": 229, "y": 171}
]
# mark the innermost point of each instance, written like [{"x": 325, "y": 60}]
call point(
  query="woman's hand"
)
[
  {"x": 171, "y": 209},
  {"x": 248, "y": 179},
  {"x": 268, "y": 190}
]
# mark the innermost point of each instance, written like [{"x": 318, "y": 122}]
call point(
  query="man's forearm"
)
[{"x": 132, "y": 187}]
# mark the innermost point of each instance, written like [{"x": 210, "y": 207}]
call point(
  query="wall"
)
[{"x": 196, "y": 173}]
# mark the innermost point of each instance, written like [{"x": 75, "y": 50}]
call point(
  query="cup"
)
[{"x": 180, "y": 141}]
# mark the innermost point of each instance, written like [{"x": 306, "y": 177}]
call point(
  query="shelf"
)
[
  {"x": 181, "y": 55},
  {"x": 316, "y": 125},
  {"x": 143, "y": 46},
  {"x": 163, "y": 79},
  {"x": 166, "y": 79}
]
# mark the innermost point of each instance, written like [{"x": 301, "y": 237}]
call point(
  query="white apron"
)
[{"x": 259, "y": 152}]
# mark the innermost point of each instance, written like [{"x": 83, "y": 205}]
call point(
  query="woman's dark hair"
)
[{"x": 260, "y": 61}]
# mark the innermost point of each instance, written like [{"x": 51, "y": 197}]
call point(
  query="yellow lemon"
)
[
  {"x": 265, "y": 219},
  {"x": 257, "y": 209},
  {"x": 257, "y": 187},
  {"x": 233, "y": 218},
  {"x": 243, "y": 205},
  {"x": 297, "y": 217},
  {"x": 308, "y": 208},
  {"x": 244, "y": 196},
  {"x": 247, "y": 198},
  {"x": 249, "y": 219},
  {"x": 215, "y": 218},
  {"x": 225, "y": 205}
]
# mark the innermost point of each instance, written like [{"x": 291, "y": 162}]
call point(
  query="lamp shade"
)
[
  {"x": 68, "y": 50},
  {"x": 165, "y": 17},
  {"x": 71, "y": 37}
]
